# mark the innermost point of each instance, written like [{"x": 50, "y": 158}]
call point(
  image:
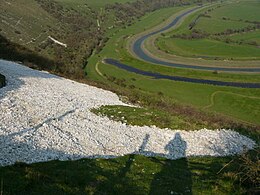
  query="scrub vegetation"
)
[{"x": 2, "y": 80}]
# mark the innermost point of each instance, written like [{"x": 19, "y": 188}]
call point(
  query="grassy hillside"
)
[
  {"x": 131, "y": 174},
  {"x": 95, "y": 4},
  {"x": 25, "y": 22}
]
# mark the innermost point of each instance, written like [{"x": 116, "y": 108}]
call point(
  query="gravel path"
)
[{"x": 45, "y": 117}]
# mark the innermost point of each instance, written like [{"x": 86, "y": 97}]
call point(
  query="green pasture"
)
[
  {"x": 238, "y": 46},
  {"x": 247, "y": 37},
  {"x": 239, "y": 10},
  {"x": 207, "y": 47},
  {"x": 216, "y": 25},
  {"x": 246, "y": 106}
]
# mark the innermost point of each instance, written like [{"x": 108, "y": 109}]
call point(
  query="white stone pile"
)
[{"x": 45, "y": 117}]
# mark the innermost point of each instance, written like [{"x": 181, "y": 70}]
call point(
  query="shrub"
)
[{"x": 2, "y": 80}]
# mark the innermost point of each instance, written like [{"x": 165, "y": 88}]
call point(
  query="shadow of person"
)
[
  {"x": 175, "y": 176},
  {"x": 131, "y": 158},
  {"x": 176, "y": 147}
]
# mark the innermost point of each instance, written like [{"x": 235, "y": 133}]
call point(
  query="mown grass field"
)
[
  {"x": 209, "y": 48},
  {"x": 218, "y": 43}
]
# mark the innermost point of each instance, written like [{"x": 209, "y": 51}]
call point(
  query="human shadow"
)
[
  {"x": 62, "y": 172},
  {"x": 175, "y": 176}
]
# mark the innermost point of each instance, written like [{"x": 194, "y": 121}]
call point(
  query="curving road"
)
[
  {"x": 140, "y": 53},
  {"x": 179, "y": 78}
]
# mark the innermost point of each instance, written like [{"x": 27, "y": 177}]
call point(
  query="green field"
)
[
  {"x": 248, "y": 37},
  {"x": 209, "y": 48},
  {"x": 241, "y": 44},
  {"x": 239, "y": 10},
  {"x": 215, "y": 25}
]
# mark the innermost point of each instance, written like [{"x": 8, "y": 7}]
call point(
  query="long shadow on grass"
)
[
  {"x": 179, "y": 178},
  {"x": 174, "y": 176},
  {"x": 130, "y": 174},
  {"x": 85, "y": 176}
]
